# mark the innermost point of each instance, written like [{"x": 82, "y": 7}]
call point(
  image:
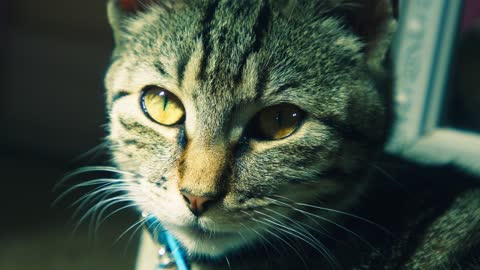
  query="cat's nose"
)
[{"x": 198, "y": 205}]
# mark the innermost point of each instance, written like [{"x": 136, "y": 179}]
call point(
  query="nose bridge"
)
[{"x": 202, "y": 168}]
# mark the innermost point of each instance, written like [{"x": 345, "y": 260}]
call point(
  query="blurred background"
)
[{"x": 53, "y": 57}]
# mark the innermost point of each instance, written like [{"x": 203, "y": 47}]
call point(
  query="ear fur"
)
[
  {"x": 120, "y": 10},
  {"x": 374, "y": 23}
]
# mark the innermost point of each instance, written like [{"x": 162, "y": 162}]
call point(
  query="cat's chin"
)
[{"x": 207, "y": 244}]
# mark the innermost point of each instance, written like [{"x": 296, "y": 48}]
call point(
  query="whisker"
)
[
  {"x": 279, "y": 223},
  {"x": 101, "y": 221},
  {"x": 304, "y": 236},
  {"x": 331, "y": 222},
  {"x": 91, "y": 169},
  {"x": 322, "y": 232},
  {"x": 301, "y": 225},
  {"x": 278, "y": 237},
  {"x": 338, "y": 212},
  {"x": 290, "y": 246},
  {"x": 94, "y": 150},
  {"x": 95, "y": 223},
  {"x": 139, "y": 223},
  {"x": 389, "y": 176},
  {"x": 106, "y": 203},
  {"x": 263, "y": 239},
  {"x": 93, "y": 195},
  {"x": 136, "y": 231},
  {"x": 94, "y": 182},
  {"x": 92, "y": 200},
  {"x": 339, "y": 226},
  {"x": 280, "y": 203},
  {"x": 228, "y": 262},
  {"x": 346, "y": 214}
]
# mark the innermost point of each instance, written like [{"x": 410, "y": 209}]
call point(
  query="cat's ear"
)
[
  {"x": 120, "y": 10},
  {"x": 373, "y": 21}
]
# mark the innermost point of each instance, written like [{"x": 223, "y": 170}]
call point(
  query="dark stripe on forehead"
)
[
  {"x": 286, "y": 86},
  {"x": 262, "y": 25},
  {"x": 206, "y": 42},
  {"x": 160, "y": 68},
  {"x": 260, "y": 28},
  {"x": 262, "y": 79},
  {"x": 181, "y": 65}
]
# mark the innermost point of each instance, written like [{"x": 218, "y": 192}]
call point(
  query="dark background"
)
[{"x": 53, "y": 58}]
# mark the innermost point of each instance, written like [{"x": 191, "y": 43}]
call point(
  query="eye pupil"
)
[
  {"x": 165, "y": 102},
  {"x": 279, "y": 119}
]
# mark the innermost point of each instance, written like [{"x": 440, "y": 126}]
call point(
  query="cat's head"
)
[{"x": 234, "y": 114}]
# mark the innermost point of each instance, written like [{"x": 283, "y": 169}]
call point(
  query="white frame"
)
[{"x": 422, "y": 51}]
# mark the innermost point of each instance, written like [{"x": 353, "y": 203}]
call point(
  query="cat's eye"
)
[
  {"x": 279, "y": 121},
  {"x": 162, "y": 106}
]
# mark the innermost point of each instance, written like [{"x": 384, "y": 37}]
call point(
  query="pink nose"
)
[{"x": 196, "y": 204}]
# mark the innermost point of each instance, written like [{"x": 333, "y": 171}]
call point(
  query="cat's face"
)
[{"x": 245, "y": 109}]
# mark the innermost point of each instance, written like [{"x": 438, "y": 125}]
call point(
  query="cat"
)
[{"x": 253, "y": 131}]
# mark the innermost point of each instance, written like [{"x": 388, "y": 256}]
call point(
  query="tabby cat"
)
[{"x": 253, "y": 130}]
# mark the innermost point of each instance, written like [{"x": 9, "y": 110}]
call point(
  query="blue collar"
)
[{"x": 170, "y": 251}]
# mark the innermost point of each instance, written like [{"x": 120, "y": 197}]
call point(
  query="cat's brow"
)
[
  {"x": 287, "y": 92},
  {"x": 284, "y": 87},
  {"x": 161, "y": 69},
  {"x": 119, "y": 95},
  {"x": 181, "y": 66}
]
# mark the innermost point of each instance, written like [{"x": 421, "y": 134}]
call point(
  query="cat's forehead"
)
[{"x": 223, "y": 46}]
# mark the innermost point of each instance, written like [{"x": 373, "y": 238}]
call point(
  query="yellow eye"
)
[
  {"x": 278, "y": 122},
  {"x": 162, "y": 106}
]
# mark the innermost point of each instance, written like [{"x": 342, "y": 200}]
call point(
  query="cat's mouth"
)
[{"x": 197, "y": 231}]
